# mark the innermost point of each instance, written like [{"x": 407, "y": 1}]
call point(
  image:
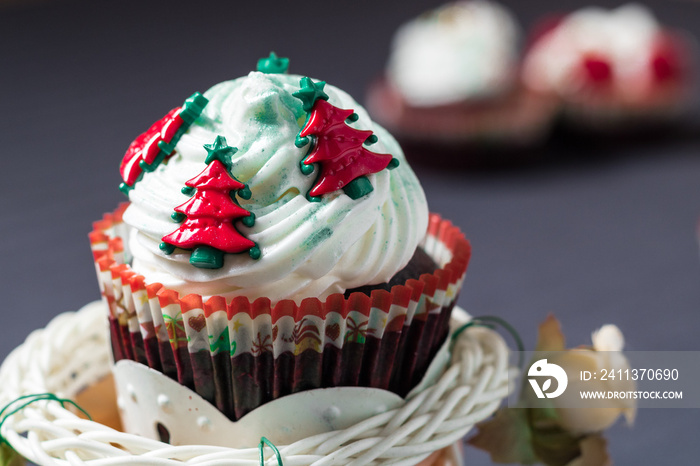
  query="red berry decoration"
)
[
  {"x": 597, "y": 69},
  {"x": 149, "y": 150},
  {"x": 207, "y": 217},
  {"x": 338, "y": 148},
  {"x": 666, "y": 60}
]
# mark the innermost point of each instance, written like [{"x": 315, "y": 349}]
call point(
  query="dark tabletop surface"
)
[{"x": 602, "y": 232}]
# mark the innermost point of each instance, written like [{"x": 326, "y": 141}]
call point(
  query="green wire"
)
[
  {"x": 6, "y": 412},
  {"x": 264, "y": 441}
]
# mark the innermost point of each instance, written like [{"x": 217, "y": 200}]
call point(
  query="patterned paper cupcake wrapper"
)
[{"x": 241, "y": 354}]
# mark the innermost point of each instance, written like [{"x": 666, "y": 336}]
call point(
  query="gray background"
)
[{"x": 603, "y": 232}]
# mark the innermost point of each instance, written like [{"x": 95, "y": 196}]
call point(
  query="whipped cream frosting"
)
[
  {"x": 625, "y": 37},
  {"x": 309, "y": 249},
  {"x": 463, "y": 50}
]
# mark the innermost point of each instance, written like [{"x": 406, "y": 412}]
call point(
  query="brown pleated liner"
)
[{"x": 239, "y": 354}]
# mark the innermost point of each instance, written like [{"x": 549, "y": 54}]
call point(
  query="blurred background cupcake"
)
[
  {"x": 613, "y": 69},
  {"x": 452, "y": 79}
]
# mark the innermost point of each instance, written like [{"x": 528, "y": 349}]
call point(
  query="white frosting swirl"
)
[
  {"x": 463, "y": 50},
  {"x": 309, "y": 249},
  {"x": 624, "y": 36}
]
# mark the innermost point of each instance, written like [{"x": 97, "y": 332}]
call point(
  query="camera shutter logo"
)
[{"x": 542, "y": 368}]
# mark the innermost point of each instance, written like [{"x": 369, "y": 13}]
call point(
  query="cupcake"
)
[
  {"x": 613, "y": 69},
  {"x": 275, "y": 241},
  {"x": 453, "y": 78}
]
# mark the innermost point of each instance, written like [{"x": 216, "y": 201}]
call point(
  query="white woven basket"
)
[{"x": 72, "y": 352}]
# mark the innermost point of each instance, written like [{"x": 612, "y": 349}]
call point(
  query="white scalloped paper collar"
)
[{"x": 154, "y": 406}]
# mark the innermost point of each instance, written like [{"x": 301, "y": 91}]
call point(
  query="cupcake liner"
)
[
  {"x": 240, "y": 354},
  {"x": 518, "y": 118},
  {"x": 147, "y": 329},
  {"x": 504, "y": 132}
]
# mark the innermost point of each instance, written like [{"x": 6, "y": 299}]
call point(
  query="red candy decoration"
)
[
  {"x": 145, "y": 147},
  {"x": 338, "y": 149},
  {"x": 157, "y": 144},
  {"x": 666, "y": 60},
  {"x": 210, "y": 213},
  {"x": 597, "y": 69}
]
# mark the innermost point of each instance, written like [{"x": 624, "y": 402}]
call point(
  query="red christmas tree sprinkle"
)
[
  {"x": 338, "y": 148},
  {"x": 146, "y": 146},
  {"x": 149, "y": 150},
  {"x": 207, "y": 217}
]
